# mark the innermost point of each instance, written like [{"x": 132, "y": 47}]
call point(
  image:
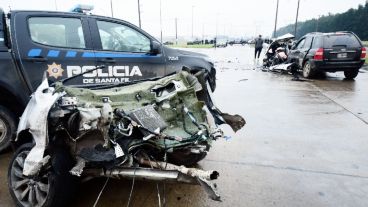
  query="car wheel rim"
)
[
  {"x": 28, "y": 191},
  {"x": 3, "y": 130},
  {"x": 306, "y": 70}
]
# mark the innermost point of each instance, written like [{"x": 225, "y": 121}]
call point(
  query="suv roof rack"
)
[{"x": 314, "y": 33}]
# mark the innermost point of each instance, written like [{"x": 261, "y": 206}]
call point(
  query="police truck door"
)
[
  {"x": 52, "y": 42},
  {"x": 126, "y": 50}
]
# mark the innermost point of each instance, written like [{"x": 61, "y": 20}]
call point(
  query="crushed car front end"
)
[{"x": 152, "y": 130}]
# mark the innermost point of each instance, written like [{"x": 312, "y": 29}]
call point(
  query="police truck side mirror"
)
[{"x": 155, "y": 47}]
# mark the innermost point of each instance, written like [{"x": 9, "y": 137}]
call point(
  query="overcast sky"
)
[{"x": 230, "y": 17}]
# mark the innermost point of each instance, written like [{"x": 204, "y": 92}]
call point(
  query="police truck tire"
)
[{"x": 7, "y": 127}]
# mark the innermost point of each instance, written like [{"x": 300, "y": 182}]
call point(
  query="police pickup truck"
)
[{"x": 65, "y": 44}]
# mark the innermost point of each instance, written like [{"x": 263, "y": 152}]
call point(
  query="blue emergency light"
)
[{"x": 82, "y": 8}]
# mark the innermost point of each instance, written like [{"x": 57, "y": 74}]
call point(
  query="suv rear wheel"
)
[
  {"x": 308, "y": 72},
  {"x": 7, "y": 127},
  {"x": 351, "y": 74}
]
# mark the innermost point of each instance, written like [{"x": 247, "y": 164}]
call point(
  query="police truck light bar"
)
[{"x": 82, "y": 8}]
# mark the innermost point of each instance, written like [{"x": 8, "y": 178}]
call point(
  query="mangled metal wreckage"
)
[
  {"x": 277, "y": 56},
  {"x": 148, "y": 130}
]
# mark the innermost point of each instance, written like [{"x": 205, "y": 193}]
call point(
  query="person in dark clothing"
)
[{"x": 258, "y": 46}]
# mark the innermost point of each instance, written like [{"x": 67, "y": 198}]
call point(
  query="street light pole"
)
[
  {"x": 192, "y": 19},
  {"x": 160, "y": 22},
  {"x": 319, "y": 16},
  {"x": 277, "y": 11},
  {"x": 176, "y": 30},
  {"x": 296, "y": 19},
  {"x": 139, "y": 14},
  {"x": 112, "y": 11}
]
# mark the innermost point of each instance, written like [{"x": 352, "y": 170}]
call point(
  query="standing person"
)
[{"x": 258, "y": 47}]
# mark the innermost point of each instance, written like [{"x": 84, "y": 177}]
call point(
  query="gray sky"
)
[{"x": 230, "y": 17}]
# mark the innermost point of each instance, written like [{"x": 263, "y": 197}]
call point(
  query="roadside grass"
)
[{"x": 192, "y": 46}]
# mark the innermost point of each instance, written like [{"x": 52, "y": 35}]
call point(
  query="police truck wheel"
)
[
  {"x": 351, "y": 74},
  {"x": 307, "y": 70},
  {"x": 7, "y": 127}
]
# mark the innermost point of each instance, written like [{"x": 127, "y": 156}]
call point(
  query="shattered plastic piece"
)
[
  {"x": 77, "y": 170},
  {"x": 34, "y": 119},
  {"x": 89, "y": 118},
  {"x": 118, "y": 151},
  {"x": 210, "y": 188},
  {"x": 236, "y": 122},
  {"x": 68, "y": 101},
  {"x": 227, "y": 137}
]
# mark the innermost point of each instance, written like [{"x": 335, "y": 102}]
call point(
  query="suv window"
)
[
  {"x": 346, "y": 40},
  {"x": 118, "y": 37},
  {"x": 308, "y": 42},
  {"x": 317, "y": 42},
  {"x": 300, "y": 44},
  {"x": 57, "y": 31},
  {"x": 1, "y": 37}
]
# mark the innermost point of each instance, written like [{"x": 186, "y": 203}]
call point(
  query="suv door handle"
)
[
  {"x": 37, "y": 59},
  {"x": 107, "y": 60}
]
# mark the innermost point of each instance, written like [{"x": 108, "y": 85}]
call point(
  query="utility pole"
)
[
  {"x": 160, "y": 22},
  {"x": 112, "y": 11},
  {"x": 296, "y": 19},
  {"x": 139, "y": 14},
  {"x": 176, "y": 31},
  {"x": 192, "y": 20},
  {"x": 56, "y": 5},
  {"x": 216, "y": 24},
  {"x": 277, "y": 12},
  {"x": 317, "y": 25},
  {"x": 319, "y": 16},
  {"x": 202, "y": 33}
]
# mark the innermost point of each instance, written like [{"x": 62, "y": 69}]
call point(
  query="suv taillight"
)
[
  {"x": 319, "y": 54},
  {"x": 364, "y": 52}
]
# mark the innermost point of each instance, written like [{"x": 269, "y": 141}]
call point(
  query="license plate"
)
[{"x": 342, "y": 55}]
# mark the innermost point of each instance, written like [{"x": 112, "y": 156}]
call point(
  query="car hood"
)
[
  {"x": 285, "y": 38},
  {"x": 172, "y": 51}
]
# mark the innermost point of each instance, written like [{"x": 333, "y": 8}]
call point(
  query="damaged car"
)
[
  {"x": 277, "y": 51},
  {"x": 278, "y": 59},
  {"x": 153, "y": 129}
]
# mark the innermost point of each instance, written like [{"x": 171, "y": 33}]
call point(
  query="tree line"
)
[{"x": 354, "y": 20}]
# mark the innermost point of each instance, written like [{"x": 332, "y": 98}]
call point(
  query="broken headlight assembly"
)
[{"x": 152, "y": 130}]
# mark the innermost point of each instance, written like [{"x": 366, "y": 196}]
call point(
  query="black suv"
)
[{"x": 329, "y": 52}]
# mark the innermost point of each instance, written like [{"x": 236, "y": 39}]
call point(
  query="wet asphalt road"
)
[{"x": 305, "y": 144}]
